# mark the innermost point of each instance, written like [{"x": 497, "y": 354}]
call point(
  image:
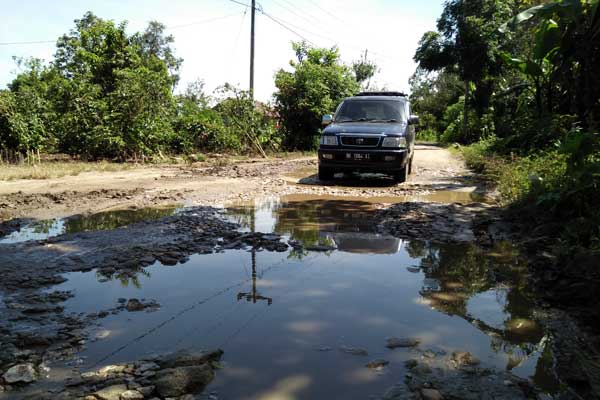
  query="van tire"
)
[
  {"x": 325, "y": 174},
  {"x": 402, "y": 175}
]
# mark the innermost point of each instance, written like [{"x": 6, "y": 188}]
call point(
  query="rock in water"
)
[
  {"x": 464, "y": 358},
  {"x": 132, "y": 395},
  {"x": 111, "y": 392},
  {"x": 178, "y": 381},
  {"x": 355, "y": 351},
  {"x": 20, "y": 373},
  {"x": 431, "y": 394},
  {"x": 377, "y": 364},
  {"x": 134, "y": 305},
  {"x": 392, "y": 343},
  {"x": 188, "y": 359}
]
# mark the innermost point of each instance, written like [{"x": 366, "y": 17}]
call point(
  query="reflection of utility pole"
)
[{"x": 253, "y": 296}]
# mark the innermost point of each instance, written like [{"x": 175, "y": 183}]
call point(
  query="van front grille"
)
[{"x": 362, "y": 141}]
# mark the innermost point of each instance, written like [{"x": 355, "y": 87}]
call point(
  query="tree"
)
[
  {"x": 318, "y": 83},
  {"x": 430, "y": 95},
  {"x": 465, "y": 42},
  {"x": 106, "y": 94},
  {"x": 364, "y": 70},
  {"x": 31, "y": 105},
  {"x": 564, "y": 58},
  {"x": 155, "y": 48},
  {"x": 249, "y": 119}
]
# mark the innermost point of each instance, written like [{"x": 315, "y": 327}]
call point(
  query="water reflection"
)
[
  {"x": 486, "y": 288},
  {"x": 126, "y": 278},
  {"x": 278, "y": 315},
  {"x": 346, "y": 225},
  {"x": 44, "y": 229},
  {"x": 487, "y": 291},
  {"x": 253, "y": 296}
]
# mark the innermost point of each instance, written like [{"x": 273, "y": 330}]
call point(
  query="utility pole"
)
[{"x": 252, "y": 49}]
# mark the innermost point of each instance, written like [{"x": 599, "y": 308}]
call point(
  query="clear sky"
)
[{"x": 212, "y": 36}]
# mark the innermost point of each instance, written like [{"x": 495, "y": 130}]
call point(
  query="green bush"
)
[
  {"x": 13, "y": 127},
  {"x": 317, "y": 85},
  {"x": 427, "y": 135},
  {"x": 535, "y": 178},
  {"x": 518, "y": 179}
]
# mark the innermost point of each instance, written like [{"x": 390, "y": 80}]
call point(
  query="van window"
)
[{"x": 371, "y": 110}]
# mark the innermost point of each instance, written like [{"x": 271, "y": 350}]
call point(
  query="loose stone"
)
[
  {"x": 132, "y": 395},
  {"x": 377, "y": 364},
  {"x": 21, "y": 373},
  {"x": 464, "y": 358},
  {"x": 431, "y": 394},
  {"x": 393, "y": 342},
  {"x": 173, "y": 382},
  {"x": 355, "y": 351},
  {"x": 111, "y": 393}
]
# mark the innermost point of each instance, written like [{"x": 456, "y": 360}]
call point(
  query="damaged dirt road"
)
[
  {"x": 436, "y": 169},
  {"x": 257, "y": 281}
]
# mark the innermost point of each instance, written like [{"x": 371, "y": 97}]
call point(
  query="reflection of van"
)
[{"x": 363, "y": 243}]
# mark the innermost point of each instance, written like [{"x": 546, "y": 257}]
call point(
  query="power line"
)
[
  {"x": 168, "y": 27},
  {"x": 260, "y": 10},
  {"x": 32, "y": 42},
  {"x": 203, "y": 21},
  {"x": 230, "y": 64},
  {"x": 291, "y": 11},
  {"x": 337, "y": 42},
  {"x": 286, "y": 25},
  {"x": 287, "y": 28},
  {"x": 326, "y": 12},
  {"x": 237, "y": 38},
  {"x": 240, "y": 3},
  {"x": 303, "y": 11},
  {"x": 307, "y": 31}
]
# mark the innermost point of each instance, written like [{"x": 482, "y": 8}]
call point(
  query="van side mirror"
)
[
  {"x": 327, "y": 119},
  {"x": 413, "y": 120}
]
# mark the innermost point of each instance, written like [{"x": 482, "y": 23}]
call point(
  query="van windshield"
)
[{"x": 371, "y": 111}]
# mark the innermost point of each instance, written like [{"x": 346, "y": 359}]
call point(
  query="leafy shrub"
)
[
  {"x": 518, "y": 179},
  {"x": 317, "y": 85},
  {"x": 13, "y": 127},
  {"x": 534, "y": 178},
  {"x": 428, "y": 135}
]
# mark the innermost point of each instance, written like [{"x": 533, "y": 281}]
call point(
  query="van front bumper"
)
[{"x": 366, "y": 160}]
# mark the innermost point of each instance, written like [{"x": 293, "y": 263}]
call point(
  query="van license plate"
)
[{"x": 357, "y": 156}]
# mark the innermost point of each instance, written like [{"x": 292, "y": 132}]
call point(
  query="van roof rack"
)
[{"x": 400, "y": 94}]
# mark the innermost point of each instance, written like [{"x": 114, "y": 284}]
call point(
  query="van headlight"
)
[
  {"x": 329, "y": 140},
  {"x": 394, "y": 142}
]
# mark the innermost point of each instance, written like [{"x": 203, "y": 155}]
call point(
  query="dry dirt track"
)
[{"x": 435, "y": 169}]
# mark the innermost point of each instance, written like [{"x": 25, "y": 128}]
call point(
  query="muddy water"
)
[
  {"x": 281, "y": 318},
  {"x": 44, "y": 229}
]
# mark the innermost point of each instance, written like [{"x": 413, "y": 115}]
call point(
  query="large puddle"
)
[
  {"x": 44, "y": 229},
  {"x": 281, "y": 318}
]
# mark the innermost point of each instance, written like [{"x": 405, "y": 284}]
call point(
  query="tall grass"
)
[
  {"x": 518, "y": 179},
  {"x": 56, "y": 169}
]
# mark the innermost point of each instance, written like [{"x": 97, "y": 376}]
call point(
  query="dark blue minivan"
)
[{"x": 370, "y": 132}]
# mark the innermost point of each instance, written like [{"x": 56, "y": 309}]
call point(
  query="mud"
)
[{"x": 435, "y": 171}]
